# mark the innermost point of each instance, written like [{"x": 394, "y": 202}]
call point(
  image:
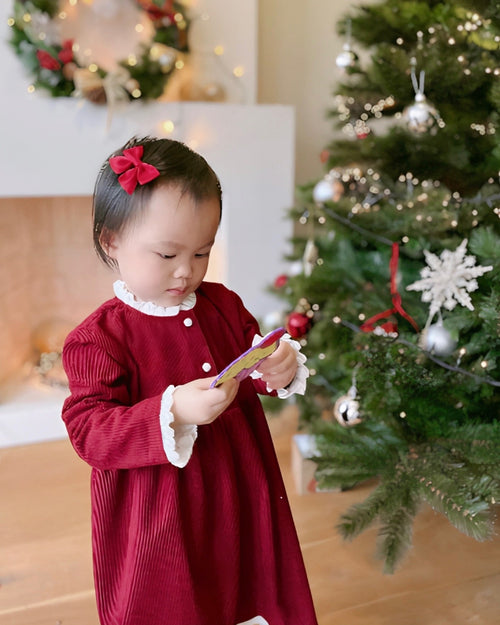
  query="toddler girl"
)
[{"x": 190, "y": 519}]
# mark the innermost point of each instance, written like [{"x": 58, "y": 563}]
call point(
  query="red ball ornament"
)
[
  {"x": 297, "y": 324},
  {"x": 281, "y": 281}
]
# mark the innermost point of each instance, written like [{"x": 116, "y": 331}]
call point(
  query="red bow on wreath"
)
[
  {"x": 369, "y": 324},
  {"x": 132, "y": 169}
]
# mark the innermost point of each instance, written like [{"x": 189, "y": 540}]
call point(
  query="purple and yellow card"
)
[{"x": 246, "y": 364}]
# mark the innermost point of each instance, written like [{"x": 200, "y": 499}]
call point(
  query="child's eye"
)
[
  {"x": 202, "y": 255},
  {"x": 166, "y": 256}
]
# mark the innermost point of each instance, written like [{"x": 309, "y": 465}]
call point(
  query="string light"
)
[{"x": 168, "y": 126}]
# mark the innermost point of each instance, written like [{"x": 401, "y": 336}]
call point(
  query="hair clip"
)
[{"x": 132, "y": 169}]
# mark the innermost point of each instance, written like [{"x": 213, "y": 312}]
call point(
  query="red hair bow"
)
[{"x": 132, "y": 169}]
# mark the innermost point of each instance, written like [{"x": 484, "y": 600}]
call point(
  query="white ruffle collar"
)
[{"x": 150, "y": 308}]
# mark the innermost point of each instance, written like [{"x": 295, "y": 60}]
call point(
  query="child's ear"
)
[{"x": 108, "y": 243}]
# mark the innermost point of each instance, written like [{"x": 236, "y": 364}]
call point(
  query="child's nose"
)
[{"x": 183, "y": 270}]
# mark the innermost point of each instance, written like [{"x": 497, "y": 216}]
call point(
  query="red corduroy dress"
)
[{"x": 212, "y": 543}]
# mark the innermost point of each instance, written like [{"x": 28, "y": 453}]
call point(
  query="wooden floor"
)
[{"x": 45, "y": 560}]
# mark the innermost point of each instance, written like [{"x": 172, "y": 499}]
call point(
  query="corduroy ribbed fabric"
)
[{"x": 212, "y": 543}]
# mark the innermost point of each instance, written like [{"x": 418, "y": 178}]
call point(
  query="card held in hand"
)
[{"x": 245, "y": 364}]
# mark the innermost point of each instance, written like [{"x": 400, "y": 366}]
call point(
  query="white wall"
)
[{"x": 298, "y": 46}]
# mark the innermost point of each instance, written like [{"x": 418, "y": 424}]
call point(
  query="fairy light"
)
[
  {"x": 136, "y": 93},
  {"x": 238, "y": 71},
  {"x": 31, "y": 89},
  {"x": 93, "y": 67},
  {"x": 219, "y": 50},
  {"x": 139, "y": 28},
  {"x": 180, "y": 21},
  {"x": 168, "y": 126},
  {"x": 27, "y": 18},
  {"x": 179, "y": 64},
  {"x": 484, "y": 364},
  {"x": 337, "y": 320},
  {"x": 402, "y": 414},
  {"x": 132, "y": 60}
]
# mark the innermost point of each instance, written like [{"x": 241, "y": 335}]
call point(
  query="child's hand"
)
[
  {"x": 279, "y": 369},
  {"x": 195, "y": 403}
]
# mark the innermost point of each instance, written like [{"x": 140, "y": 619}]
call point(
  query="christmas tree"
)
[{"x": 394, "y": 280}]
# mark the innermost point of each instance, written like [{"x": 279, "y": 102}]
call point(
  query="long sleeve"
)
[{"x": 106, "y": 430}]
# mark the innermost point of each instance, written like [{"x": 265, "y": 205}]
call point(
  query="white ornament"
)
[
  {"x": 310, "y": 257},
  {"x": 323, "y": 191},
  {"x": 448, "y": 280},
  {"x": 328, "y": 189},
  {"x": 295, "y": 268},
  {"x": 437, "y": 340}
]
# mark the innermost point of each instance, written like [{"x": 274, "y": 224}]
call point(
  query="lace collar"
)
[{"x": 150, "y": 308}]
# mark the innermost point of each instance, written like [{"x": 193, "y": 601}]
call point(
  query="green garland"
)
[{"x": 55, "y": 68}]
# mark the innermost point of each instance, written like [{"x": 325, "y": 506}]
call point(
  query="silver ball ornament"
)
[
  {"x": 347, "y": 58},
  {"x": 346, "y": 410},
  {"x": 437, "y": 340},
  {"x": 421, "y": 116}
]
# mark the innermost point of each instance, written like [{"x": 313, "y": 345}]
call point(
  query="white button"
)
[
  {"x": 206, "y": 366},
  {"x": 188, "y": 322}
]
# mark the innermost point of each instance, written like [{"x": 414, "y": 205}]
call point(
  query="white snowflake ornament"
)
[{"x": 448, "y": 279}]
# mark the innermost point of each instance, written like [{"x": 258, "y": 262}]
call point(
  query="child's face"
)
[{"x": 163, "y": 256}]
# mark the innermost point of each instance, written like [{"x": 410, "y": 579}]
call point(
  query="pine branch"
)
[
  {"x": 395, "y": 536},
  {"x": 361, "y": 515}
]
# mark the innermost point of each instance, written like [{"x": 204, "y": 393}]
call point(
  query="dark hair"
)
[{"x": 114, "y": 208}]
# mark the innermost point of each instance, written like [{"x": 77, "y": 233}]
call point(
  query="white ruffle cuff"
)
[
  {"x": 298, "y": 384},
  {"x": 177, "y": 442}
]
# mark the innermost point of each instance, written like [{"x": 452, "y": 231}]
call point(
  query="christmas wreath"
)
[{"x": 54, "y": 62}]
